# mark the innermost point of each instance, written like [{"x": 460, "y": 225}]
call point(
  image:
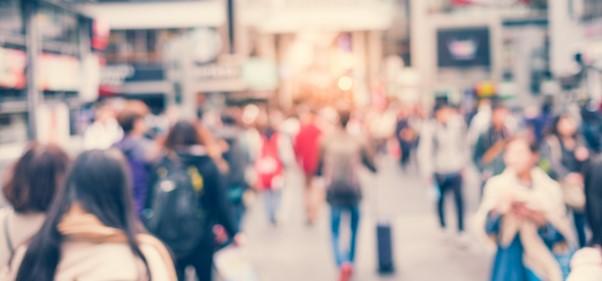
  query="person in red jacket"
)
[{"x": 307, "y": 150}]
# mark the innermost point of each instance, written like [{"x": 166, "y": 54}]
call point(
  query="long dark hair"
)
[
  {"x": 33, "y": 194},
  {"x": 98, "y": 182},
  {"x": 553, "y": 129},
  {"x": 593, "y": 199}
]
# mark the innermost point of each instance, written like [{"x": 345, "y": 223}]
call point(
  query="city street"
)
[{"x": 294, "y": 252}]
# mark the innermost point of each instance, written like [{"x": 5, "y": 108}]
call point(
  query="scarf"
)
[{"x": 79, "y": 225}]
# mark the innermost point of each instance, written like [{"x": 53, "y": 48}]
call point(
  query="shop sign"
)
[
  {"x": 59, "y": 30},
  {"x": 100, "y": 35},
  {"x": 260, "y": 74},
  {"x": 12, "y": 68},
  {"x": 224, "y": 77},
  {"x": 120, "y": 74},
  {"x": 217, "y": 72},
  {"x": 59, "y": 73}
]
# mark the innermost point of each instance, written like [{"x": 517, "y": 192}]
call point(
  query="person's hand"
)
[
  {"x": 523, "y": 212},
  {"x": 239, "y": 240},
  {"x": 221, "y": 236},
  {"x": 581, "y": 153},
  {"x": 535, "y": 216},
  {"x": 519, "y": 209}
]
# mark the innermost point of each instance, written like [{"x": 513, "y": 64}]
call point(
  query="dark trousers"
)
[
  {"x": 202, "y": 262},
  {"x": 450, "y": 183},
  {"x": 579, "y": 220},
  {"x": 406, "y": 152}
]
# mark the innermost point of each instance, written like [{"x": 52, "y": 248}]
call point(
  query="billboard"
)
[
  {"x": 464, "y": 47},
  {"x": 12, "y": 68}
]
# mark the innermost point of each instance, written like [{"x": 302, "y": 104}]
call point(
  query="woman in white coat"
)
[{"x": 523, "y": 213}]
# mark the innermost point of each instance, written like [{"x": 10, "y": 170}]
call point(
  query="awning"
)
[
  {"x": 336, "y": 16},
  {"x": 157, "y": 15}
]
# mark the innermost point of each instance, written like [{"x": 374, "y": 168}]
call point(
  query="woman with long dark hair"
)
[
  {"x": 187, "y": 156},
  {"x": 587, "y": 263},
  {"x": 31, "y": 184},
  {"x": 565, "y": 155},
  {"x": 91, "y": 231}
]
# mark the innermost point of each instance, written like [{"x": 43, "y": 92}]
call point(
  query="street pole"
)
[
  {"x": 32, "y": 43},
  {"x": 231, "y": 21}
]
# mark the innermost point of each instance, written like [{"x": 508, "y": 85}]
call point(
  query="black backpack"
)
[{"x": 175, "y": 214}]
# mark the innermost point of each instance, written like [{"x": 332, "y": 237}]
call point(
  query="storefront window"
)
[
  {"x": 11, "y": 21},
  {"x": 592, "y": 9},
  {"x": 13, "y": 128},
  {"x": 138, "y": 46}
]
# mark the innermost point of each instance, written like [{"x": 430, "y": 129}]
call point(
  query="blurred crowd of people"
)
[{"x": 151, "y": 197}]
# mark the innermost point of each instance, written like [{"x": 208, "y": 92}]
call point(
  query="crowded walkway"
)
[
  {"x": 300, "y": 140},
  {"x": 295, "y": 252}
]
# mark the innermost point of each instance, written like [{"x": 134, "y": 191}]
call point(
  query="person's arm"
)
[
  {"x": 464, "y": 146},
  {"x": 215, "y": 200},
  {"x": 479, "y": 151},
  {"x": 368, "y": 160},
  {"x": 425, "y": 152},
  {"x": 297, "y": 144}
]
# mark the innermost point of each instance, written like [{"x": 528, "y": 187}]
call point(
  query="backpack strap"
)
[{"x": 8, "y": 240}]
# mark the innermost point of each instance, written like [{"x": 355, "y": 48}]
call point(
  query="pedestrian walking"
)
[
  {"x": 564, "y": 156},
  {"x": 489, "y": 148},
  {"x": 307, "y": 150},
  {"x": 238, "y": 157},
  {"x": 587, "y": 262},
  {"x": 139, "y": 153},
  {"x": 92, "y": 232},
  {"x": 187, "y": 201},
  {"x": 406, "y": 137},
  {"x": 343, "y": 155},
  {"x": 443, "y": 158},
  {"x": 269, "y": 167},
  {"x": 104, "y": 131},
  {"x": 523, "y": 214},
  {"x": 30, "y": 188}
]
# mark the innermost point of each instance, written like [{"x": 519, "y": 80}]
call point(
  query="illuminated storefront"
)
[
  {"x": 61, "y": 46},
  {"x": 136, "y": 57},
  {"x": 324, "y": 50}
]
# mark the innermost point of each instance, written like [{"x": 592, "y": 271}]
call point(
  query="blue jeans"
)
[
  {"x": 336, "y": 213},
  {"x": 272, "y": 203}
]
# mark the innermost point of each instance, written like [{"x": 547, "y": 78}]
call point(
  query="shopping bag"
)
[{"x": 232, "y": 265}]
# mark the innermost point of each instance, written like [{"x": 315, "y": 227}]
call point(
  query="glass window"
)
[{"x": 139, "y": 46}]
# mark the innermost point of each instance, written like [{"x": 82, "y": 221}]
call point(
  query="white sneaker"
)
[
  {"x": 447, "y": 234},
  {"x": 463, "y": 240}
]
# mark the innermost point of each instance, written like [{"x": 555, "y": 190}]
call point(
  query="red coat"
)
[{"x": 307, "y": 148}]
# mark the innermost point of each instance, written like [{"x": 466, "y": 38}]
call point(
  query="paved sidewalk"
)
[{"x": 295, "y": 252}]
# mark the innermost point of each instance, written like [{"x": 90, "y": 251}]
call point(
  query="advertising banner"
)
[
  {"x": 12, "y": 68},
  {"x": 60, "y": 73}
]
